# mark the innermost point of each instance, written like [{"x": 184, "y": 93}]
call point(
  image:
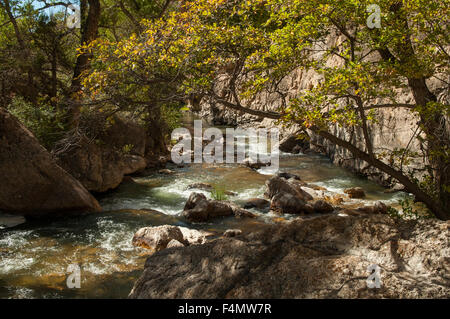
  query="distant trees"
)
[{"x": 251, "y": 46}]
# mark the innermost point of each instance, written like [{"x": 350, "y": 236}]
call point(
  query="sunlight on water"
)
[{"x": 34, "y": 256}]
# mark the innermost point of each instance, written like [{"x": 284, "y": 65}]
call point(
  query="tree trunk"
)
[
  {"x": 438, "y": 137},
  {"x": 89, "y": 32}
]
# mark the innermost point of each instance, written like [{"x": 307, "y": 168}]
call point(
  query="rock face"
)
[
  {"x": 394, "y": 130},
  {"x": 322, "y": 257},
  {"x": 161, "y": 237},
  {"x": 124, "y": 148},
  {"x": 291, "y": 144},
  {"x": 31, "y": 182},
  {"x": 200, "y": 209}
]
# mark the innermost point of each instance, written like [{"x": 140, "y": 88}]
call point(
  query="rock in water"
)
[
  {"x": 289, "y": 176},
  {"x": 286, "y": 203},
  {"x": 355, "y": 192},
  {"x": 200, "y": 209},
  {"x": 232, "y": 233},
  {"x": 32, "y": 183},
  {"x": 321, "y": 257},
  {"x": 256, "y": 203},
  {"x": 277, "y": 185},
  {"x": 287, "y": 196}
]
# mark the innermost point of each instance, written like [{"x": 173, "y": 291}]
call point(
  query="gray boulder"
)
[
  {"x": 321, "y": 257},
  {"x": 200, "y": 209},
  {"x": 32, "y": 183}
]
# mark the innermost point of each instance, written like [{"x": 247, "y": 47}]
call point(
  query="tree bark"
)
[{"x": 89, "y": 32}]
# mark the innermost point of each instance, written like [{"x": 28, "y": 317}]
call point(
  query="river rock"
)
[
  {"x": 277, "y": 185},
  {"x": 9, "y": 221},
  {"x": 256, "y": 203},
  {"x": 322, "y": 257},
  {"x": 355, "y": 192},
  {"x": 289, "y": 176},
  {"x": 200, "y": 209},
  {"x": 378, "y": 208},
  {"x": 159, "y": 238},
  {"x": 32, "y": 183},
  {"x": 232, "y": 233},
  {"x": 286, "y": 203},
  {"x": 193, "y": 236},
  {"x": 322, "y": 207},
  {"x": 174, "y": 244}
]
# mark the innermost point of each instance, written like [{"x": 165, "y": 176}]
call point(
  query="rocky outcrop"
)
[
  {"x": 200, "y": 209},
  {"x": 101, "y": 164},
  {"x": 321, "y": 257},
  {"x": 161, "y": 237},
  {"x": 31, "y": 181}
]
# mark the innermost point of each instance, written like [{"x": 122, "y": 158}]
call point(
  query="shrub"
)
[{"x": 42, "y": 120}]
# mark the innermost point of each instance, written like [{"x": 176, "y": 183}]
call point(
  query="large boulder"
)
[
  {"x": 286, "y": 203},
  {"x": 321, "y": 257},
  {"x": 101, "y": 164},
  {"x": 287, "y": 196},
  {"x": 31, "y": 181},
  {"x": 200, "y": 209},
  {"x": 277, "y": 185}
]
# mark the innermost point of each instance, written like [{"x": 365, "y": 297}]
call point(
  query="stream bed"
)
[{"x": 34, "y": 255}]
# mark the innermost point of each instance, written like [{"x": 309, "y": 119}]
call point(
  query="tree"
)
[
  {"x": 251, "y": 46},
  {"x": 90, "y": 17}
]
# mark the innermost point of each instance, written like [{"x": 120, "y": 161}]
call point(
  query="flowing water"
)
[{"x": 34, "y": 255}]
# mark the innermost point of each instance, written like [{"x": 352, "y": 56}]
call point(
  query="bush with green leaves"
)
[{"x": 46, "y": 123}]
